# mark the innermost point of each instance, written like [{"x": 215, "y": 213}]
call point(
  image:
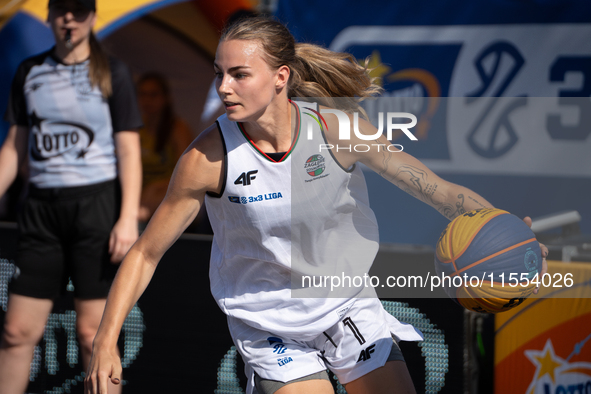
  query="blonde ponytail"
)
[
  {"x": 316, "y": 72},
  {"x": 320, "y": 72}
]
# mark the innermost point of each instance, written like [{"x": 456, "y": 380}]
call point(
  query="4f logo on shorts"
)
[
  {"x": 366, "y": 353},
  {"x": 245, "y": 178}
]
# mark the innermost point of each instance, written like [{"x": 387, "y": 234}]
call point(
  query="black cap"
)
[{"x": 88, "y": 4}]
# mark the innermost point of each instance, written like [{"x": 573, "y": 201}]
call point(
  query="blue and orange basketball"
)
[{"x": 495, "y": 247}]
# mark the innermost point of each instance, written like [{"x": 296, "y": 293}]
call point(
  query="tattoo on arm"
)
[
  {"x": 477, "y": 202},
  {"x": 409, "y": 179},
  {"x": 414, "y": 181},
  {"x": 385, "y": 159},
  {"x": 452, "y": 212}
]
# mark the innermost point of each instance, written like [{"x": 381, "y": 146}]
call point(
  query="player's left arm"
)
[
  {"x": 415, "y": 178},
  {"x": 412, "y": 176}
]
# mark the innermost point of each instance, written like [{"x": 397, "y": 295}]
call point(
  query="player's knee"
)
[
  {"x": 85, "y": 341},
  {"x": 15, "y": 334},
  {"x": 86, "y": 335}
]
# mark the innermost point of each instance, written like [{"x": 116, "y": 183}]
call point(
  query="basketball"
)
[{"x": 488, "y": 260}]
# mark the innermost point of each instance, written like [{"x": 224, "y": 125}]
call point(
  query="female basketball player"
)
[{"x": 280, "y": 209}]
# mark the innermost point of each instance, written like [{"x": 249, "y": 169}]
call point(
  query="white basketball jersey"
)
[{"x": 277, "y": 223}]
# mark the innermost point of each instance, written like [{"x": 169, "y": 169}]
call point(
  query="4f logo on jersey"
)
[
  {"x": 245, "y": 178},
  {"x": 366, "y": 353}
]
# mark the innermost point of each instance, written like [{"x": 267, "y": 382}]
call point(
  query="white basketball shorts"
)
[{"x": 359, "y": 343}]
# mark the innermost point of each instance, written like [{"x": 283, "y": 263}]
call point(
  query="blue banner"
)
[{"x": 517, "y": 77}]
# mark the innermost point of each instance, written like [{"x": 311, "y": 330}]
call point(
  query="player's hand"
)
[
  {"x": 123, "y": 235},
  {"x": 544, "y": 249},
  {"x": 104, "y": 367}
]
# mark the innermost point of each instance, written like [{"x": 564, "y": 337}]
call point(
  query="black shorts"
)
[{"x": 64, "y": 233}]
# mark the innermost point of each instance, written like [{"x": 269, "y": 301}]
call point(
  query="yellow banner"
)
[{"x": 108, "y": 11}]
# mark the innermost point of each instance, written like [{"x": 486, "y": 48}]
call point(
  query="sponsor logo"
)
[
  {"x": 250, "y": 199},
  {"x": 64, "y": 137},
  {"x": 246, "y": 178},
  {"x": 315, "y": 165},
  {"x": 366, "y": 353},
  {"x": 284, "y": 360},
  {"x": 278, "y": 346},
  {"x": 556, "y": 375}
]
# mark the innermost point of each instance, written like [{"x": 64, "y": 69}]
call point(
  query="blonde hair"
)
[
  {"x": 316, "y": 72},
  {"x": 99, "y": 70}
]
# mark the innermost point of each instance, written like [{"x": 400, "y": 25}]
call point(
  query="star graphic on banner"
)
[
  {"x": 376, "y": 68},
  {"x": 81, "y": 154},
  {"x": 545, "y": 361},
  {"x": 35, "y": 121}
]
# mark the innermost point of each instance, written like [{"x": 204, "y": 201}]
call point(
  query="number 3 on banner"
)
[{"x": 554, "y": 125}]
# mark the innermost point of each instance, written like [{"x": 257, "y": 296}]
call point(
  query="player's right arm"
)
[
  {"x": 198, "y": 171},
  {"x": 12, "y": 155}
]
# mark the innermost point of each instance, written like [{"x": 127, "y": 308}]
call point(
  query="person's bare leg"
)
[
  {"x": 24, "y": 324},
  {"x": 391, "y": 378},
  {"x": 316, "y": 386},
  {"x": 88, "y": 319}
]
